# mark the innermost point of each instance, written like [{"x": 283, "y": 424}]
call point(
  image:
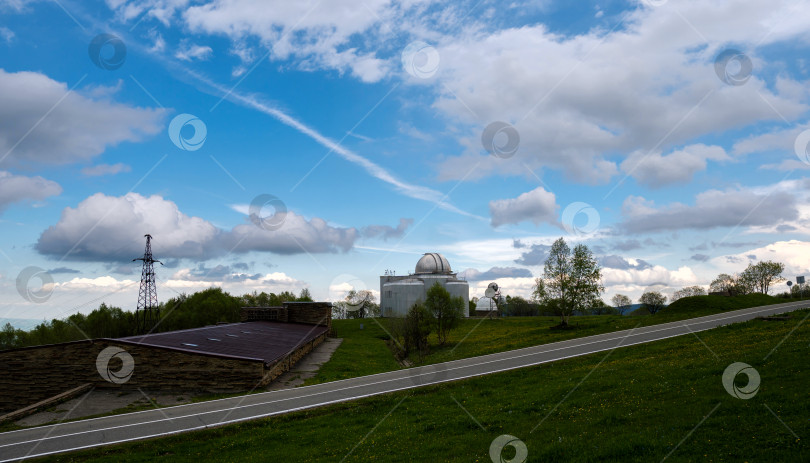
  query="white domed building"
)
[{"x": 399, "y": 293}]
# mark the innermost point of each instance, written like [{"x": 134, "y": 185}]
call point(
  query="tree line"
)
[
  {"x": 756, "y": 278},
  {"x": 202, "y": 308}
]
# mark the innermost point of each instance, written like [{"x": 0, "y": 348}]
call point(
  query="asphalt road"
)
[{"x": 65, "y": 437}]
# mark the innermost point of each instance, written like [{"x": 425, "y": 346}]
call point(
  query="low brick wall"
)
[
  {"x": 311, "y": 313},
  {"x": 33, "y": 374},
  {"x": 277, "y": 369}
]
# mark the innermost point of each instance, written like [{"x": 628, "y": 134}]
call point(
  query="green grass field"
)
[
  {"x": 663, "y": 400},
  {"x": 476, "y": 337}
]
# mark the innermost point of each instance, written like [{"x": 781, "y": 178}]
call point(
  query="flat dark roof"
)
[{"x": 257, "y": 340}]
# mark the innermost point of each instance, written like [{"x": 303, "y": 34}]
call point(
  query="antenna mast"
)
[{"x": 148, "y": 312}]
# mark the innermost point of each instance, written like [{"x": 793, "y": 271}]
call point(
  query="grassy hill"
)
[
  {"x": 476, "y": 337},
  {"x": 697, "y": 306},
  {"x": 663, "y": 400}
]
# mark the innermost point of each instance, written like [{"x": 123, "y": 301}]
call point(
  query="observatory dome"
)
[{"x": 433, "y": 262}]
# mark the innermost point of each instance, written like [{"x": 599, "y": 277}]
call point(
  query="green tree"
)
[
  {"x": 653, "y": 301},
  {"x": 689, "y": 291},
  {"x": 571, "y": 281},
  {"x": 723, "y": 283},
  {"x": 361, "y": 304},
  {"x": 446, "y": 310},
  {"x": 762, "y": 275},
  {"x": 539, "y": 293},
  {"x": 419, "y": 323},
  {"x": 304, "y": 296},
  {"x": 621, "y": 303}
]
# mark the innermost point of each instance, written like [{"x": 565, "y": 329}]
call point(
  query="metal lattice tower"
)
[{"x": 148, "y": 311}]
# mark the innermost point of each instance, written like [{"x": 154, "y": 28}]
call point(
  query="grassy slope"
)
[
  {"x": 633, "y": 404},
  {"x": 479, "y": 337}
]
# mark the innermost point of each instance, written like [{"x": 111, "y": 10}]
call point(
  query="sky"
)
[{"x": 273, "y": 145}]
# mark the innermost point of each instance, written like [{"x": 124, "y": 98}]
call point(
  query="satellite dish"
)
[{"x": 492, "y": 290}]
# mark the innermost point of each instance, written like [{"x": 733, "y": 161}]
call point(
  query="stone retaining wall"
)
[{"x": 32, "y": 374}]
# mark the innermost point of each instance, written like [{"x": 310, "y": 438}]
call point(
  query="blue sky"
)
[{"x": 481, "y": 130}]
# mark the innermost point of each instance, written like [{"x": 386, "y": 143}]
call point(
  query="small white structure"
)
[{"x": 400, "y": 293}]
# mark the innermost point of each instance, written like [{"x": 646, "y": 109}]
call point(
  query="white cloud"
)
[
  {"x": 109, "y": 228},
  {"x": 75, "y": 128},
  {"x": 18, "y": 188},
  {"x": 649, "y": 85},
  {"x": 189, "y": 52},
  {"x": 733, "y": 207},
  {"x": 6, "y": 34},
  {"x": 537, "y": 206},
  {"x": 794, "y": 254},
  {"x": 655, "y": 170},
  {"x": 522, "y": 287}
]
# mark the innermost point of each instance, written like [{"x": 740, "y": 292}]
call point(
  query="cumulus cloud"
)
[
  {"x": 795, "y": 254},
  {"x": 385, "y": 231},
  {"x": 186, "y": 280},
  {"x": 19, "y": 188},
  {"x": 714, "y": 208},
  {"x": 536, "y": 255},
  {"x": 494, "y": 273},
  {"x": 110, "y": 228},
  {"x": 655, "y": 170},
  {"x": 576, "y": 99},
  {"x": 77, "y": 128},
  {"x": 537, "y": 206},
  {"x": 619, "y": 262},
  {"x": 522, "y": 287},
  {"x": 656, "y": 275}
]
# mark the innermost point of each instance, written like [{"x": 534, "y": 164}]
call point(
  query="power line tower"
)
[{"x": 148, "y": 311}]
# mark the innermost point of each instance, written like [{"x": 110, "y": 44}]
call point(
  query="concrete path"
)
[
  {"x": 307, "y": 367},
  {"x": 46, "y": 440}
]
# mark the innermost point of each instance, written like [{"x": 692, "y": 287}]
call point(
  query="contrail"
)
[{"x": 410, "y": 190}]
